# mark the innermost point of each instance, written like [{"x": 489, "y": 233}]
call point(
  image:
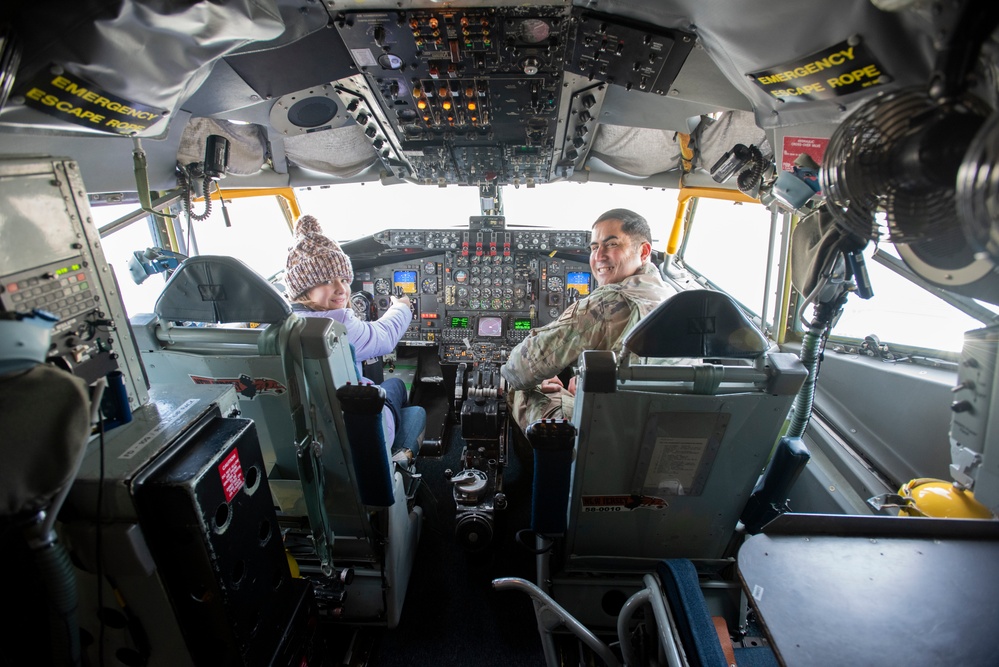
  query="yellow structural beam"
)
[{"x": 287, "y": 194}]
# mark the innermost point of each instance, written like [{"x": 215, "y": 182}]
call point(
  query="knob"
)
[
  {"x": 961, "y": 406},
  {"x": 531, "y": 66}
]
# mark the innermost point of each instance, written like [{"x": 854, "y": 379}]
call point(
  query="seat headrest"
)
[
  {"x": 697, "y": 324},
  {"x": 216, "y": 289}
]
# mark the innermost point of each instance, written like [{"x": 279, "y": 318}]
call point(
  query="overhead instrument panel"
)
[
  {"x": 506, "y": 95},
  {"x": 470, "y": 93}
]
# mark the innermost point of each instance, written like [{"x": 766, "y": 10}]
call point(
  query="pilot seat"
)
[
  {"x": 349, "y": 510},
  {"x": 705, "y": 398}
]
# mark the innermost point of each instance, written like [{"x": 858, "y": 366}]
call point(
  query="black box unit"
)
[{"x": 206, "y": 511}]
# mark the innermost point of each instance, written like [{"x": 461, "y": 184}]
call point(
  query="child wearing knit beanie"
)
[{"x": 318, "y": 275}]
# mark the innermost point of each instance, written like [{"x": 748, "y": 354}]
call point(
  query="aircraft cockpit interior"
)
[{"x": 431, "y": 332}]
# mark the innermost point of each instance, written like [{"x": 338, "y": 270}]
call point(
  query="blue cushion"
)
[
  {"x": 755, "y": 656},
  {"x": 690, "y": 611}
]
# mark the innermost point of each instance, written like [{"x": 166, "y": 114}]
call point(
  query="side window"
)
[
  {"x": 118, "y": 248},
  {"x": 728, "y": 244},
  {"x": 902, "y": 312},
  {"x": 257, "y": 234}
]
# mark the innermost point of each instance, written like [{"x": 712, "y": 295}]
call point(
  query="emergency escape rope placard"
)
[
  {"x": 835, "y": 71},
  {"x": 77, "y": 101}
]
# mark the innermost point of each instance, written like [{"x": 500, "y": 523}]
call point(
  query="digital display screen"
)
[
  {"x": 522, "y": 324},
  {"x": 459, "y": 322},
  {"x": 490, "y": 327},
  {"x": 579, "y": 281},
  {"x": 406, "y": 280}
]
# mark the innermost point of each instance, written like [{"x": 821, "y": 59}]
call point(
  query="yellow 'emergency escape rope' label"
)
[
  {"x": 838, "y": 70},
  {"x": 76, "y": 101}
]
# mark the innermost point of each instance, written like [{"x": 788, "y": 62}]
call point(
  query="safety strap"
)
[{"x": 721, "y": 629}]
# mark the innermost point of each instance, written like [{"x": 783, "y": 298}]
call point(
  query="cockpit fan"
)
[
  {"x": 978, "y": 190},
  {"x": 899, "y": 154},
  {"x": 908, "y": 165}
]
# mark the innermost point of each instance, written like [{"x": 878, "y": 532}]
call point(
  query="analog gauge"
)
[
  {"x": 553, "y": 312},
  {"x": 555, "y": 284},
  {"x": 429, "y": 285},
  {"x": 463, "y": 292},
  {"x": 392, "y": 61},
  {"x": 382, "y": 286},
  {"x": 474, "y": 281},
  {"x": 486, "y": 270},
  {"x": 360, "y": 302},
  {"x": 460, "y": 276},
  {"x": 475, "y": 259},
  {"x": 497, "y": 282},
  {"x": 476, "y": 292},
  {"x": 462, "y": 260},
  {"x": 473, "y": 304},
  {"x": 429, "y": 268},
  {"x": 532, "y": 31},
  {"x": 486, "y": 293},
  {"x": 518, "y": 292}
]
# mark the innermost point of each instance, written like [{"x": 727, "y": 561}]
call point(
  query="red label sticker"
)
[
  {"x": 622, "y": 503},
  {"x": 795, "y": 146},
  {"x": 245, "y": 385},
  {"x": 231, "y": 473}
]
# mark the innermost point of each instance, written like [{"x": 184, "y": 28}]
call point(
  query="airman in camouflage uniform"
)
[{"x": 629, "y": 288}]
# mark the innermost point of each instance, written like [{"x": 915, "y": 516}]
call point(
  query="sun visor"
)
[
  {"x": 637, "y": 151},
  {"x": 342, "y": 152},
  {"x": 247, "y": 144}
]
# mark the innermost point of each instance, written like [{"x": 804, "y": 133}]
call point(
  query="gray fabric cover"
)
[
  {"x": 247, "y": 144},
  {"x": 219, "y": 290},
  {"x": 816, "y": 242},
  {"x": 341, "y": 152},
  {"x": 45, "y": 421}
]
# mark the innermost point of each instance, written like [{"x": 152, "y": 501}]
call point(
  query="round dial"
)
[
  {"x": 429, "y": 268},
  {"x": 555, "y": 284},
  {"x": 460, "y": 276},
  {"x": 553, "y": 312},
  {"x": 429, "y": 285},
  {"x": 382, "y": 286},
  {"x": 361, "y": 305}
]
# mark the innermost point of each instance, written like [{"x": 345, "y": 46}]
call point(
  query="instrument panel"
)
[{"x": 474, "y": 293}]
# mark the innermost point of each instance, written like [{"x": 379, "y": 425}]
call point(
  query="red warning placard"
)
[
  {"x": 795, "y": 146},
  {"x": 231, "y": 473}
]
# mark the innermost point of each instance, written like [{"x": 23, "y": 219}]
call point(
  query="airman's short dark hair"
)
[{"x": 632, "y": 224}]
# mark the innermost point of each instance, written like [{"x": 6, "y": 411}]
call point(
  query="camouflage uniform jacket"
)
[{"x": 598, "y": 322}]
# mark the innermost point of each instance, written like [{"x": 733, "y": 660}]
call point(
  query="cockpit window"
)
[
  {"x": 902, "y": 312},
  {"x": 728, "y": 244},
  {"x": 351, "y": 211}
]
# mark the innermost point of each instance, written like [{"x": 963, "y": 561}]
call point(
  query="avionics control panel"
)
[{"x": 474, "y": 293}]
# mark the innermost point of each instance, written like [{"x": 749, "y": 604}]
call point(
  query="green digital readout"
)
[
  {"x": 522, "y": 324},
  {"x": 66, "y": 269},
  {"x": 459, "y": 322}
]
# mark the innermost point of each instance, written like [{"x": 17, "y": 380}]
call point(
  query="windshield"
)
[{"x": 347, "y": 212}]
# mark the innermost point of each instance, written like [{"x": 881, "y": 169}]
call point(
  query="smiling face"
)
[
  {"x": 331, "y": 295},
  {"x": 614, "y": 255}
]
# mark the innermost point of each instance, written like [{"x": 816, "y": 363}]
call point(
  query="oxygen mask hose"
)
[{"x": 811, "y": 356}]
